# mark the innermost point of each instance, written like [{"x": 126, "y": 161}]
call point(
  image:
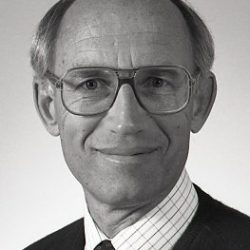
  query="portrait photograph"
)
[{"x": 125, "y": 125}]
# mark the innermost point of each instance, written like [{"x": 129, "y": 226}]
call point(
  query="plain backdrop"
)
[{"x": 37, "y": 192}]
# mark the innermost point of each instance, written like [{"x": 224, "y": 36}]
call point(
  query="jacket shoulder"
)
[
  {"x": 68, "y": 237},
  {"x": 227, "y": 225}
]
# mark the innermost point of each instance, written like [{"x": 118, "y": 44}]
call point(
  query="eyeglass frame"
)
[{"x": 58, "y": 83}]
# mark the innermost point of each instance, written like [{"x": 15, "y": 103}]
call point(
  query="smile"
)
[
  {"x": 129, "y": 152},
  {"x": 127, "y": 156}
]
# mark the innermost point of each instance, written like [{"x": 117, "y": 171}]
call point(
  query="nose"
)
[{"x": 126, "y": 116}]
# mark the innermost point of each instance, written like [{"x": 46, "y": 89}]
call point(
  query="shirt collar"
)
[{"x": 160, "y": 228}]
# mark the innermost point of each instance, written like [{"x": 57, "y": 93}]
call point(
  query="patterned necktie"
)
[{"x": 105, "y": 245}]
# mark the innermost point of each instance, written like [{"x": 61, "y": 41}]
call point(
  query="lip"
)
[
  {"x": 126, "y": 156},
  {"x": 126, "y": 151}
]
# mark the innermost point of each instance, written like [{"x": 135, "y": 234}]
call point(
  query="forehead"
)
[{"x": 122, "y": 34}]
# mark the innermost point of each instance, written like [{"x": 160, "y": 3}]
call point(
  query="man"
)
[{"x": 123, "y": 83}]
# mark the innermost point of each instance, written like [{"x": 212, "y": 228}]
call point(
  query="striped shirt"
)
[{"x": 160, "y": 228}]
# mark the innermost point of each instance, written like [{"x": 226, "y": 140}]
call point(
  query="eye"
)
[
  {"x": 157, "y": 86},
  {"x": 94, "y": 87},
  {"x": 90, "y": 84},
  {"x": 157, "y": 82}
]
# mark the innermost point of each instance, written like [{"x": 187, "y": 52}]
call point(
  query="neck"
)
[{"x": 112, "y": 219}]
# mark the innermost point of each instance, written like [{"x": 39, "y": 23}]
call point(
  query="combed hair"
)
[
  {"x": 202, "y": 39},
  {"x": 44, "y": 41}
]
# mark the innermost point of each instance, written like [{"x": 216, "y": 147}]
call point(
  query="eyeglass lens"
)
[{"x": 88, "y": 91}]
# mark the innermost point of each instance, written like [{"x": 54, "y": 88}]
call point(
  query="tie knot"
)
[{"x": 105, "y": 245}]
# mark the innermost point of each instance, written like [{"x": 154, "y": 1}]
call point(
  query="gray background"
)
[{"x": 38, "y": 193}]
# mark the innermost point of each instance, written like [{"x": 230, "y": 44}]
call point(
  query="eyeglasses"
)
[{"x": 93, "y": 90}]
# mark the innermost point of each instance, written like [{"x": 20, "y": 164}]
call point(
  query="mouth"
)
[
  {"x": 126, "y": 156},
  {"x": 129, "y": 152}
]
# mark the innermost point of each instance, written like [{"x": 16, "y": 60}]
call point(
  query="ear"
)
[
  {"x": 44, "y": 98},
  {"x": 203, "y": 99}
]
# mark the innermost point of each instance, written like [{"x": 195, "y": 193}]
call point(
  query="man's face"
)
[{"x": 125, "y": 156}]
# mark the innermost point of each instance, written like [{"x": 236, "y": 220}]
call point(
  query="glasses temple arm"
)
[{"x": 55, "y": 80}]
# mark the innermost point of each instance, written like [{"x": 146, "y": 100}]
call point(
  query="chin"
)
[{"x": 122, "y": 194}]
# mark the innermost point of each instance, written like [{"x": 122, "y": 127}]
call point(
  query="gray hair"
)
[{"x": 44, "y": 41}]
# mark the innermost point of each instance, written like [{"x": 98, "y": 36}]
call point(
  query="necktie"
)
[{"x": 105, "y": 245}]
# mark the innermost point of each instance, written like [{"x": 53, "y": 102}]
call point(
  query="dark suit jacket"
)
[{"x": 214, "y": 227}]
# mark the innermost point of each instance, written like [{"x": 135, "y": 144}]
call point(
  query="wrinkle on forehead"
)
[
  {"x": 116, "y": 26},
  {"x": 113, "y": 35},
  {"x": 150, "y": 46},
  {"x": 95, "y": 18},
  {"x": 138, "y": 38}
]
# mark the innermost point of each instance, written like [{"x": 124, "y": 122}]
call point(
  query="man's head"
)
[{"x": 126, "y": 155}]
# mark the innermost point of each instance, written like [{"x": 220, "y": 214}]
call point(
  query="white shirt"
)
[{"x": 160, "y": 228}]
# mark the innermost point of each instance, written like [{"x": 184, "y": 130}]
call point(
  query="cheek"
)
[
  {"x": 177, "y": 128},
  {"x": 74, "y": 131}
]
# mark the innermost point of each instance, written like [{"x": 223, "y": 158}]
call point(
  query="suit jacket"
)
[{"x": 215, "y": 226}]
